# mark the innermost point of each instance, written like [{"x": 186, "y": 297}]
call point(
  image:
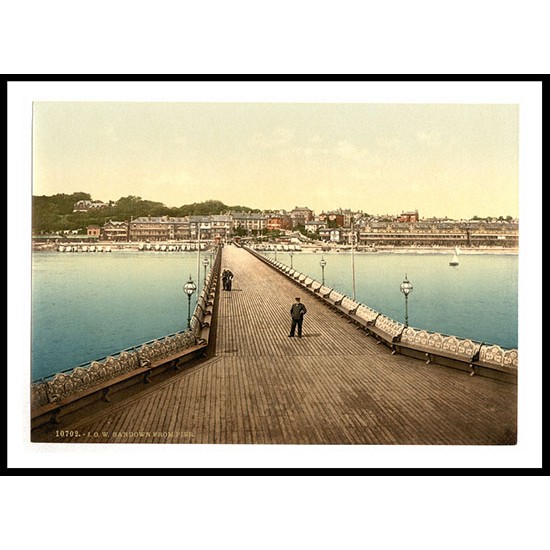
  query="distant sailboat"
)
[{"x": 454, "y": 261}]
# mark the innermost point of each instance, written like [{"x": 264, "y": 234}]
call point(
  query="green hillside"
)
[{"x": 55, "y": 213}]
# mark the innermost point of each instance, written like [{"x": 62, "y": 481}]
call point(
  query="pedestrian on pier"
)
[
  {"x": 297, "y": 312},
  {"x": 224, "y": 279},
  {"x": 227, "y": 278}
]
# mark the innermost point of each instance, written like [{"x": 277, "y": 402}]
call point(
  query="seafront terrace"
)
[{"x": 336, "y": 385}]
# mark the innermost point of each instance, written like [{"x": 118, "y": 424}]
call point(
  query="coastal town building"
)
[
  {"x": 115, "y": 231},
  {"x": 252, "y": 224},
  {"x": 339, "y": 217},
  {"x": 274, "y": 223},
  {"x": 300, "y": 215},
  {"x": 220, "y": 226},
  {"x": 333, "y": 219},
  {"x": 160, "y": 228},
  {"x": 408, "y": 217},
  {"x": 445, "y": 233},
  {"x": 333, "y": 235},
  {"x": 278, "y": 221},
  {"x": 209, "y": 227},
  {"x": 167, "y": 228},
  {"x": 315, "y": 226},
  {"x": 86, "y": 206},
  {"x": 199, "y": 227},
  {"x": 93, "y": 231}
]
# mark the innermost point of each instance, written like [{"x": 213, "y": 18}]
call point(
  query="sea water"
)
[{"x": 86, "y": 306}]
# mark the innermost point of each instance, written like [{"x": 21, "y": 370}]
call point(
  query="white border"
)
[{"x": 528, "y": 452}]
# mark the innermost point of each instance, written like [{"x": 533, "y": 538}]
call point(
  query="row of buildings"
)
[
  {"x": 210, "y": 227},
  {"x": 340, "y": 228}
]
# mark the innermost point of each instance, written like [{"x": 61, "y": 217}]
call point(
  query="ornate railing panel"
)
[
  {"x": 493, "y": 354},
  {"x": 349, "y": 304},
  {"x": 336, "y": 296},
  {"x": 367, "y": 314},
  {"x": 462, "y": 347},
  {"x": 391, "y": 327},
  {"x": 439, "y": 343},
  {"x": 63, "y": 385}
]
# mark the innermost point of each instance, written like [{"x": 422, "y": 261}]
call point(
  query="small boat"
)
[{"x": 454, "y": 261}]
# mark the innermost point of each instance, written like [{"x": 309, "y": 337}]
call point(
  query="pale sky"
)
[{"x": 455, "y": 160}]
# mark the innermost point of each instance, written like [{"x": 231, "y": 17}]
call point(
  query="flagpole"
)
[
  {"x": 199, "y": 253},
  {"x": 352, "y": 261}
]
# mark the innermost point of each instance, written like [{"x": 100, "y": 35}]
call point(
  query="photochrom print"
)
[{"x": 251, "y": 272}]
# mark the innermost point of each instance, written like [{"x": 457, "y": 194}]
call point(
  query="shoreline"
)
[
  {"x": 305, "y": 248},
  {"x": 410, "y": 250},
  {"x": 447, "y": 251}
]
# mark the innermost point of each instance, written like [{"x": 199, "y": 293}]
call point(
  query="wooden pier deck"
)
[{"x": 333, "y": 386}]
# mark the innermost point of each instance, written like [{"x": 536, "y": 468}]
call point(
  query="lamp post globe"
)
[
  {"x": 189, "y": 288},
  {"x": 323, "y": 263},
  {"x": 406, "y": 288}
]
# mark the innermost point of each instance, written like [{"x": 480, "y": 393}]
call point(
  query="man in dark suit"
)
[{"x": 297, "y": 312}]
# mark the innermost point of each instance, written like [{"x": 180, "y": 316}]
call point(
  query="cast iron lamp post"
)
[
  {"x": 323, "y": 263},
  {"x": 291, "y": 254},
  {"x": 406, "y": 289},
  {"x": 189, "y": 289},
  {"x": 205, "y": 263},
  {"x": 353, "y": 261}
]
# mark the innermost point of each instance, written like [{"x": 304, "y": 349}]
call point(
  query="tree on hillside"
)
[
  {"x": 205, "y": 208},
  {"x": 45, "y": 215},
  {"x": 48, "y": 211},
  {"x": 134, "y": 207}
]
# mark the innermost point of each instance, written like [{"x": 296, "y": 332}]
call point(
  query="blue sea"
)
[{"x": 86, "y": 306}]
